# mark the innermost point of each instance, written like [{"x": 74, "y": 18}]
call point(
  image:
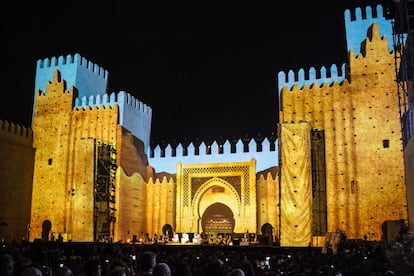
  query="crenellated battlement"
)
[
  {"x": 98, "y": 101},
  {"x": 359, "y": 20},
  {"x": 359, "y": 14},
  {"x": 88, "y": 78},
  {"x": 312, "y": 77},
  {"x": 266, "y": 176},
  {"x": 111, "y": 100},
  {"x": 213, "y": 147},
  {"x": 162, "y": 180},
  {"x": 69, "y": 59},
  {"x": 12, "y": 129},
  {"x": 134, "y": 115},
  {"x": 265, "y": 151},
  {"x": 134, "y": 103}
]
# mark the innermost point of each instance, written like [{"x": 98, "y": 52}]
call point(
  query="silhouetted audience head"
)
[
  {"x": 183, "y": 269},
  {"x": 117, "y": 268},
  {"x": 63, "y": 271},
  {"x": 214, "y": 267},
  {"x": 161, "y": 269},
  {"x": 6, "y": 264},
  {"x": 20, "y": 264},
  {"x": 31, "y": 271},
  {"x": 92, "y": 268},
  {"x": 236, "y": 272},
  {"x": 248, "y": 268},
  {"x": 147, "y": 261},
  {"x": 116, "y": 271}
]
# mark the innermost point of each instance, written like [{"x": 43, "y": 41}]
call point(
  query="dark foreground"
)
[{"x": 354, "y": 257}]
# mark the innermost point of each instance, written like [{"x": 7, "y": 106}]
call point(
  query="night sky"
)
[{"x": 207, "y": 69}]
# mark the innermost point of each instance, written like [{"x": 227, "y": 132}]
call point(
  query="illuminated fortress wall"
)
[
  {"x": 131, "y": 178},
  {"x": 89, "y": 78},
  {"x": 347, "y": 118},
  {"x": 131, "y": 206},
  {"x": 181, "y": 201},
  {"x": 267, "y": 195},
  {"x": 160, "y": 206},
  {"x": 201, "y": 186},
  {"x": 91, "y": 82},
  {"x": 295, "y": 185},
  {"x": 63, "y": 183},
  {"x": 51, "y": 125},
  {"x": 66, "y": 159},
  {"x": 378, "y": 131},
  {"x": 16, "y": 174},
  {"x": 265, "y": 152},
  {"x": 360, "y": 119}
]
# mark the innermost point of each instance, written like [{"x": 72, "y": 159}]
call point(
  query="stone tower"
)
[
  {"x": 80, "y": 147},
  {"x": 341, "y": 164}
]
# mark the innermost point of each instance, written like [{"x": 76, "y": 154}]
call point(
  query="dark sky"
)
[{"x": 208, "y": 69}]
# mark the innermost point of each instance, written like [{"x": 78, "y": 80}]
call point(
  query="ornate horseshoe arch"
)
[
  {"x": 214, "y": 182},
  {"x": 200, "y": 186},
  {"x": 226, "y": 195}
]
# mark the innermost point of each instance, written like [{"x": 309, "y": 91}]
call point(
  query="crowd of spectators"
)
[{"x": 353, "y": 257}]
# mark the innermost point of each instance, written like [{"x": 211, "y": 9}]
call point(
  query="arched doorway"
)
[
  {"x": 167, "y": 231},
  {"x": 218, "y": 218},
  {"x": 46, "y": 227},
  {"x": 267, "y": 234}
]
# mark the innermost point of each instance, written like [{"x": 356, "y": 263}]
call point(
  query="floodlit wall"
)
[
  {"x": 356, "y": 105},
  {"x": 360, "y": 118},
  {"x": 296, "y": 185},
  {"x": 268, "y": 202},
  {"x": 130, "y": 212},
  {"x": 51, "y": 126},
  {"x": 264, "y": 151},
  {"x": 160, "y": 205},
  {"x": 232, "y": 184},
  {"x": 16, "y": 174},
  {"x": 63, "y": 181}
]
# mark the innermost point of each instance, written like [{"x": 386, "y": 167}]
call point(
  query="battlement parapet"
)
[
  {"x": 16, "y": 131},
  {"x": 214, "y": 147},
  {"x": 134, "y": 115},
  {"x": 88, "y": 78},
  {"x": 311, "y": 77},
  {"x": 264, "y": 151},
  {"x": 69, "y": 59},
  {"x": 359, "y": 20},
  {"x": 133, "y": 102},
  {"x": 122, "y": 98},
  {"x": 96, "y": 101},
  {"x": 357, "y": 23},
  {"x": 111, "y": 99},
  {"x": 161, "y": 180},
  {"x": 359, "y": 14},
  {"x": 266, "y": 176}
]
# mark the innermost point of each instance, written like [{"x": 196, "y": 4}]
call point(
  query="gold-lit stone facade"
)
[
  {"x": 16, "y": 174},
  {"x": 159, "y": 206},
  {"x": 65, "y": 143},
  {"x": 360, "y": 118},
  {"x": 232, "y": 184},
  {"x": 363, "y": 172},
  {"x": 296, "y": 185},
  {"x": 64, "y": 182}
]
